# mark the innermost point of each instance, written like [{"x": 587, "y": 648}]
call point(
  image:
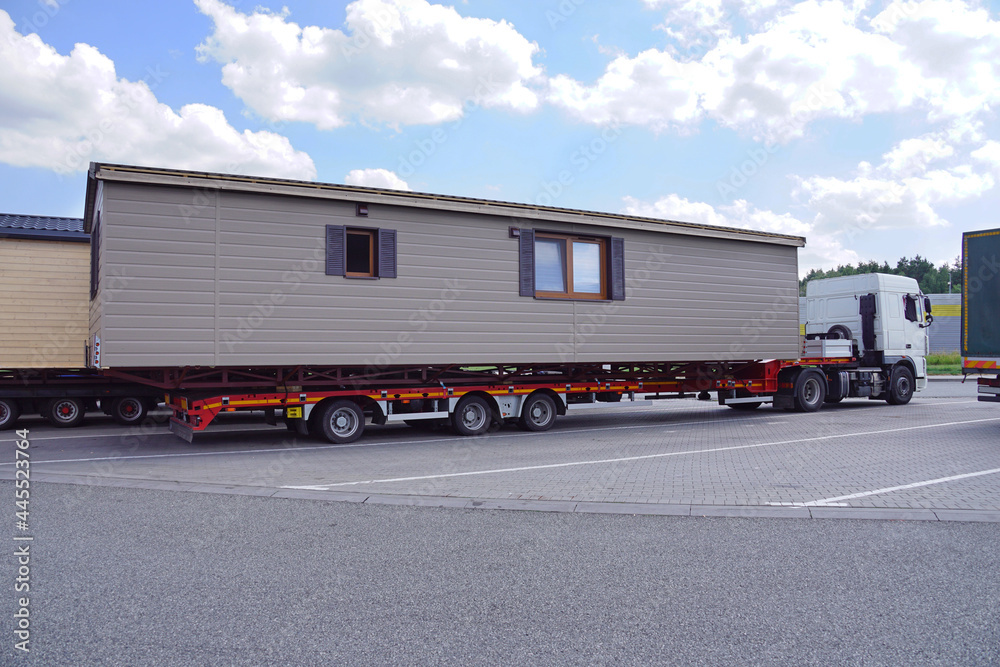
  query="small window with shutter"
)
[
  {"x": 564, "y": 266},
  {"x": 360, "y": 252}
]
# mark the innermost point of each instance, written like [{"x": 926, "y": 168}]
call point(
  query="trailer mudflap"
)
[{"x": 181, "y": 429}]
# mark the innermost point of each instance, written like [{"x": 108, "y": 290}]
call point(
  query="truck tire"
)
[
  {"x": 341, "y": 422},
  {"x": 839, "y": 332},
  {"x": 129, "y": 410},
  {"x": 538, "y": 413},
  {"x": 810, "y": 390},
  {"x": 472, "y": 416},
  {"x": 65, "y": 412},
  {"x": 9, "y": 412},
  {"x": 900, "y": 386}
]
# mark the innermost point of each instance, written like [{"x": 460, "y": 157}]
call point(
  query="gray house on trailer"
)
[{"x": 199, "y": 269}]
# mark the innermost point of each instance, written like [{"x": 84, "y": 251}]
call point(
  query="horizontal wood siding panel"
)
[
  {"x": 45, "y": 303},
  {"x": 455, "y": 299}
]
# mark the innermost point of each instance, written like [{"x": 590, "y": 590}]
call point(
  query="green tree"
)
[{"x": 932, "y": 280}]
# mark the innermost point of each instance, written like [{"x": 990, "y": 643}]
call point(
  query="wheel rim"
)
[
  {"x": 810, "y": 391},
  {"x": 4, "y": 413},
  {"x": 903, "y": 387},
  {"x": 540, "y": 413},
  {"x": 65, "y": 411},
  {"x": 129, "y": 409},
  {"x": 344, "y": 422},
  {"x": 474, "y": 416}
]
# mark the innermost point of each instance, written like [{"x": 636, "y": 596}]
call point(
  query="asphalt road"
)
[
  {"x": 150, "y": 551},
  {"x": 138, "y": 577}
]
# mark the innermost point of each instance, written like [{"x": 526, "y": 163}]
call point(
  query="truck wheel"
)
[
  {"x": 472, "y": 416},
  {"x": 341, "y": 422},
  {"x": 900, "y": 386},
  {"x": 9, "y": 412},
  {"x": 538, "y": 413},
  {"x": 129, "y": 410},
  {"x": 810, "y": 391},
  {"x": 65, "y": 412}
]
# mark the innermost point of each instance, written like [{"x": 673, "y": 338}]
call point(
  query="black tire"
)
[
  {"x": 341, "y": 422},
  {"x": 129, "y": 410},
  {"x": 900, "y": 386},
  {"x": 839, "y": 332},
  {"x": 810, "y": 391},
  {"x": 65, "y": 412},
  {"x": 9, "y": 412},
  {"x": 472, "y": 416},
  {"x": 538, "y": 413}
]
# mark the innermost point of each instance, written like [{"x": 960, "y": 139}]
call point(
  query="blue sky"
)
[{"x": 868, "y": 128}]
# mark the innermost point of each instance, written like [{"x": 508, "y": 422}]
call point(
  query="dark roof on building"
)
[{"x": 42, "y": 227}]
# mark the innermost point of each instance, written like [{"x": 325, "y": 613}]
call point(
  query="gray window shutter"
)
[
  {"x": 95, "y": 256},
  {"x": 336, "y": 244},
  {"x": 617, "y": 269},
  {"x": 387, "y": 253},
  {"x": 526, "y": 262}
]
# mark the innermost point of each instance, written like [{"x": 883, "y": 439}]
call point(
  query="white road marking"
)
[
  {"x": 349, "y": 446},
  {"x": 827, "y": 502},
  {"x": 325, "y": 487}
]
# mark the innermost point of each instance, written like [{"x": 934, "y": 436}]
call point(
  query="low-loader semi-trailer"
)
[
  {"x": 332, "y": 307},
  {"x": 885, "y": 360},
  {"x": 981, "y": 310}
]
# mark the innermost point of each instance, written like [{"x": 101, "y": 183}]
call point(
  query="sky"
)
[{"x": 870, "y": 128}]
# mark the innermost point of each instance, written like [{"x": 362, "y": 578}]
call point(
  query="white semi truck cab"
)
[{"x": 884, "y": 318}]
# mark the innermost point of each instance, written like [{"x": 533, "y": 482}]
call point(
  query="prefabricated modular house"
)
[
  {"x": 45, "y": 303},
  {"x": 202, "y": 269}
]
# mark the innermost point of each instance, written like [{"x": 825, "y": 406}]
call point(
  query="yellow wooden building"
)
[{"x": 45, "y": 301}]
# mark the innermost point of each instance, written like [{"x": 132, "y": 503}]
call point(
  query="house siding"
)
[
  {"x": 228, "y": 278},
  {"x": 44, "y": 306}
]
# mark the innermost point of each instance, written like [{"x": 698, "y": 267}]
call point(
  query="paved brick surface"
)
[{"x": 939, "y": 453}]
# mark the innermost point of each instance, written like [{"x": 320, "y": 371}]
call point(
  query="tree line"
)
[{"x": 933, "y": 280}]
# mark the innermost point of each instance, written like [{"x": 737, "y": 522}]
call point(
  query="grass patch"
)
[{"x": 947, "y": 363}]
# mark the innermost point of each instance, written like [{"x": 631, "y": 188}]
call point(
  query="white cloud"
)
[
  {"x": 822, "y": 250},
  {"x": 989, "y": 154},
  {"x": 60, "y": 112},
  {"x": 903, "y": 192},
  {"x": 376, "y": 178},
  {"x": 795, "y": 64},
  {"x": 401, "y": 62}
]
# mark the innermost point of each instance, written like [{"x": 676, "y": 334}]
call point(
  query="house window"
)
[
  {"x": 562, "y": 266},
  {"x": 360, "y": 252},
  {"x": 570, "y": 267}
]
